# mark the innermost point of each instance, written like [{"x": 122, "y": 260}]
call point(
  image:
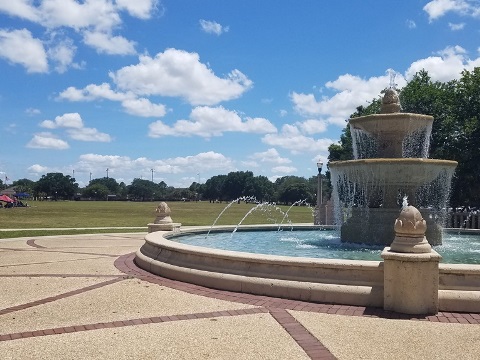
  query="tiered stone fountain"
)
[{"x": 391, "y": 165}]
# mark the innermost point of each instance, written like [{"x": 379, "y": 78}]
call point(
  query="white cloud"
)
[
  {"x": 88, "y": 134},
  {"x": 291, "y": 138},
  {"x": 75, "y": 128},
  {"x": 69, "y": 120},
  {"x": 212, "y": 27},
  {"x": 94, "y": 92},
  {"x": 131, "y": 104},
  {"x": 20, "y": 8},
  {"x": 62, "y": 54},
  {"x": 105, "y": 43},
  {"x": 211, "y": 121},
  {"x": 284, "y": 169},
  {"x": 456, "y": 27},
  {"x": 141, "y": 9},
  {"x": 143, "y": 107},
  {"x": 32, "y": 111},
  {"x": 447, "y": 66},
  {"x": 178, "y": 73},
  {"x": 438, "y": 8},
  {"x": 98, "y": 14},
  {"x": 411, "y": 24},
  {"x": 312, "y": 126},
  {"x": 46, "y": 140},
  {"x": 96, "y": 20},
  {"x": 207, "y": 161},
  {"x": 37, "y": 169},
  {"x": 270, "y": 156},
  {"x": 19, "y": 47}
]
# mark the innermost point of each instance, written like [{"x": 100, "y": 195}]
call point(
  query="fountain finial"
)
[
  {"x": 390, "y": 101},
  {"x": 410, "y": 230}
]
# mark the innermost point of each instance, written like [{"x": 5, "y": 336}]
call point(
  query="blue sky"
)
[{"x": 193, "y": 89}]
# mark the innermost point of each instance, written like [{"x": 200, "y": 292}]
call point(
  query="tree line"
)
[{"x": 234, "y": 185}]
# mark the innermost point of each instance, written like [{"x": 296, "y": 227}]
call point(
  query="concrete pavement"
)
[{"x": 82, "y": 297}]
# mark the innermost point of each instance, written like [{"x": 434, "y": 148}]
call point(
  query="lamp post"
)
[{"x": 319, "y": 190}]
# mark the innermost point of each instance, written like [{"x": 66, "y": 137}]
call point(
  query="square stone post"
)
[{"x": 410, "y": 282}]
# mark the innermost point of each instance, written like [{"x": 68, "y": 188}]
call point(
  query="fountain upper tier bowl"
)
[
  {"x": 407, "y": 172},
  {"x": 396, "y": 123},
  {"x": 392, "y": 132}
]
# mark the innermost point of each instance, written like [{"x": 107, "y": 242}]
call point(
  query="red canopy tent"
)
[{"x": 5, "y": 198}]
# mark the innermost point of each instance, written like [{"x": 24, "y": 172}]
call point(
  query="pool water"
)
[{"x": 456, "y": 249}]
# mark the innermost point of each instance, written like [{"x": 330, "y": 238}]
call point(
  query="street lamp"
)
[
  {"x": 320, "y": 196},
  {"x": 319, "y": 189}
]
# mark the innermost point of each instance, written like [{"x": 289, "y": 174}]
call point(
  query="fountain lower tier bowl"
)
[{"x": 401, "y": 172}]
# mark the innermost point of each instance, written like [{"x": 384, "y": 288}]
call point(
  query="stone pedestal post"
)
[
  {"x": 410, "y": 271},
  {"x": 410, "y": 282}
]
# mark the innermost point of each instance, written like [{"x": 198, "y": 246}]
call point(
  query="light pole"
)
[
  {"x": 319, "y": 190},
  {"x": 107, "y": 173},
  {"x": 152, "y": 174}
]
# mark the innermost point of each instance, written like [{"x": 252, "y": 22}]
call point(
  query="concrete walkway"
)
[{"x": 82, "y": 297}]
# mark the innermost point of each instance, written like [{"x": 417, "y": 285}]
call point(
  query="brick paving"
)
[{"x": 277, "y": 308}]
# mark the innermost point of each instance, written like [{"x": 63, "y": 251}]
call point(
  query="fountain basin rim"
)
[{"x": 393, "y": 161}]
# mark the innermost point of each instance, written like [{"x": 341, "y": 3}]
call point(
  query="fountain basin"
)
[{"x": 352, "y": 282}]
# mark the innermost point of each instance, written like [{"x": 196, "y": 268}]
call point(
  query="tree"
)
[
  {"x": 24, "y": 185},
  {"x": 213, "y": 188},
  {"x": 465, "y": 128},
  {"x": 161, "y": 190},
  {"x": 142, "y": 189},
  {"x": 234, "y": 184},
  {"x": 293, "y": 188},
  {"x": 260, "y": 187},
  {"x": 110, "y": 183},
  {"x": 96, "y": 191},
  {"x": 56, "y": 185}
]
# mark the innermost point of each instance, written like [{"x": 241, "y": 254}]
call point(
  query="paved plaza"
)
[{"x": 82, "y": 297}]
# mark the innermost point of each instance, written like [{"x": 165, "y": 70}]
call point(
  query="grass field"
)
[{"x": 94, "y": 214}]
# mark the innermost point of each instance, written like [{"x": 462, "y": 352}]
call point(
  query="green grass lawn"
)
[{"x": 91, "y": 214}]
